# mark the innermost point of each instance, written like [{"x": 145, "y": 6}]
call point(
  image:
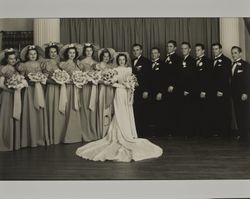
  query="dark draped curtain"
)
[
  {"x": 121, "y": 33},
  {"x": 247, "y": 22}
]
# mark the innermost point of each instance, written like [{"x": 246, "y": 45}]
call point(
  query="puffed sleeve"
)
[
  {"x": 80, "y": 65},
  {"x": 44, "y": 67},
  {"x": 62, "y": 65},
  {"x": 21, "y": 68},
  {"x": 1, "y": 73}
]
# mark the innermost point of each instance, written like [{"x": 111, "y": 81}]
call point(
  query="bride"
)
[{"x": 121, "y": 142}]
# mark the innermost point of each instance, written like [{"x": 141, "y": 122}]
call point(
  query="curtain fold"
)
[
  {"x": 121, "y": 33},
  {"x": 247, "y": 23}
]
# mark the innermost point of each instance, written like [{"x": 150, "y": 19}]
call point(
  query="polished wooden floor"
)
[{"x": 182, "y": 159}]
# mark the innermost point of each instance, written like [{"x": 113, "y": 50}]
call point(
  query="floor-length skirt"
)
[
  {"x": 121, "y": 142},
  {"x": 88, "y": 115},
  {"x": 9, "y": 127},
  {"x": 72, "y": 128},
  {"x": 34, "y": 122},
  {"x": 104, "y": 111},
  {"x": 56, "y": 119}
]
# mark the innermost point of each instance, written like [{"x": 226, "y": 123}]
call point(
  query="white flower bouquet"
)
[
  {"x": 38, "y": 77},
  {"x": 60, "y": 76},
  {"x": 79, "y": 78},
  {"x": 16, "y": 81},
  {"x": 109, "y": 76},
  {"x": 131, "y": 82},
  {"x": 94, "y": 77}
]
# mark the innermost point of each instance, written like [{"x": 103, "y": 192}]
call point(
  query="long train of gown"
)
[{"x": 121, "y": 142}]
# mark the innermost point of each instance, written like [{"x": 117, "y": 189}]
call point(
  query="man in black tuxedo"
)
[
  {"x": 141, "y": 67},
  {"x": 203, "y": 91},
  {"x": 172, "y": 64},
  {"x": 220, "y": 96},
  {"x": 240, "y": 84},
  {"x": 185, "y": 89},
  {"x": 156, "y": 88}
]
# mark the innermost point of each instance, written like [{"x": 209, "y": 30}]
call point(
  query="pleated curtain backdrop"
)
[{"x": 121, "y": 33}]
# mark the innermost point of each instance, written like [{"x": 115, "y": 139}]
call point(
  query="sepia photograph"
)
[{"x": 124, "y": 98}]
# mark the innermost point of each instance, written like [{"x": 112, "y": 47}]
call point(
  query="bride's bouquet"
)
[
  {"x": 109, "y": 76},
  {"x": 131, "y": 82},
  {"x": 94, "y": 76},
  {"x": 60, "y": 76},
  {"x": 38, "y": 77},
  {"x": 79, "y": 78},
  {"x": 16, "y": 81}
]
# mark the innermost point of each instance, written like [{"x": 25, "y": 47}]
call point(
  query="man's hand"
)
[
  {"x": 145, "y": 95},
  {"x": 244, "y": 97},
  {"x": 186, "y": 93},
  {"x": 170, "y": 89},
  {"x": 159, "y": 96},
  {"x": 202, "y": 95},
  {"x": 219, "y": 94}
]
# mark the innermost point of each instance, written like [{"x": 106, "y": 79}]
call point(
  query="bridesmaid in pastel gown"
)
[
  {"x": 34, "y": 117},
  {"x": 56, "y": 118},
  {"x": 105, "y": 92},
  {"x": 72, "y": 128},
  {"x": 121, "y": 142},
  {"x": 89, "y": 113},
  {"x": 10, "y": 131}
]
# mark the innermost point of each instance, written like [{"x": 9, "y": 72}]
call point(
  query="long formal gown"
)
[
  {"x": 105, "y": 102},
  {"x": 88, "y": 113},
  {"x": 10, "y": 132},
  {"x": 72, "y": 128},
  {"x": 56, "y": 118},
  {"x": 121, "y": 142},
  {"x": 34, "y": 119}
]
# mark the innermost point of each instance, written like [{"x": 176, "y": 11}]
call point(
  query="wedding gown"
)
[{"x": 121, "y": 142}]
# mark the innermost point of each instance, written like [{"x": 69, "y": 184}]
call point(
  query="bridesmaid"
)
[
  {"x": 106, "y": 93},
  {"x": 10, "y": 132},
  {"x": 34, "y": 117},
  {"x": 72, "y": 128},
  {"x": 56, "y": 118},
  {"x": 89, "y": 115}
]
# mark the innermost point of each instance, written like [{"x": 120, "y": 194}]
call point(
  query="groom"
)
[{"x": 141, "y": 67}]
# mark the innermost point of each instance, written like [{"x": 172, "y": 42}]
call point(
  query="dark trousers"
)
[
  {"x": 186, "y": 124},
  {"x": 157, "y": 116},
  {"x": 221, "y": 116},
  {"x": 141, "y": 112},
  {"x": 242, "y": 119},
  {"x": 203, "y": 117},
  {"x": 171, "y": 114}
]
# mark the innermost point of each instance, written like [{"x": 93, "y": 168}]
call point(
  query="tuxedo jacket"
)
[
  {"x": 240, "y": 80},
  {"x": 203, "y": 77},
  {"x": 142, "y": 71},
  {"x": 156, "y": 83},
  {"x": 221, "y": 76},
  {"x": 186, "y": 76},
  {"x": 172, "y": 64}
]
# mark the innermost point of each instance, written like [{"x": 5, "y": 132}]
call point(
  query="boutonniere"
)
[
  {"x": 200, "y": 64},
  {"x": 184, "y": 64}
]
